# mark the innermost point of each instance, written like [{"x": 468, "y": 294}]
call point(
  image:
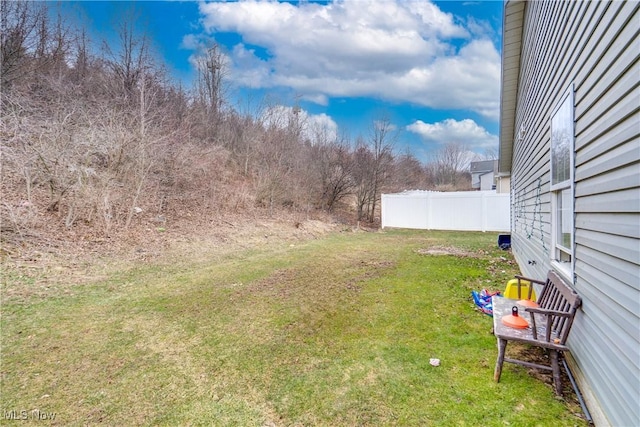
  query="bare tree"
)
[
  {"x": 242, "y": 135},
  {"x": 53, "y": 46},
  {"x": 28, "y": 41},
  {"x": 211, "y": 89},
  {"x": 490, "y": 154},
  {"x": 450, "y": 162},
  {"x": 81, "y": 57},
  {"x": 382, "y": 141},
  {"x": 273, "y": 169},
  {"x": 142, "y": 158},
  {"x": 373, "y": 162},
  {"x": 332, "y": 165},
  {"x": 408, "y": 173},
  {"x": 131, "y": 60},
  {"x": 363, "y": 176}
]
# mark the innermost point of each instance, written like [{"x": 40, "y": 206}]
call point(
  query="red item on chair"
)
[{"x": 514, "y": 320}]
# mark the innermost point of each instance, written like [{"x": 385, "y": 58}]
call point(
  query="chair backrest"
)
[{"x": 558, "y": 296}]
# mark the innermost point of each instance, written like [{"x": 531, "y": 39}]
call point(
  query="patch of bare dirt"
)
[
  {"x": 445, "y": 250},
  {"x": 371, "y": 270},
  {"x": 540, "y": 356}
]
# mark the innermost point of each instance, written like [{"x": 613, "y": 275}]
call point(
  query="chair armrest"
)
[
  {"x": 539, "y": 282},
  {"x": 550, "y": 315},
  {"x": 547, "y": 312}
]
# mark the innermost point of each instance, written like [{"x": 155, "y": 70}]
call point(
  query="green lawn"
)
[{"x": 334, "y": 331}]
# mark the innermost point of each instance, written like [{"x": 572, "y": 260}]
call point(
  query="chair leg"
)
[
  {"x": 502, "y": 346},
  {"x": 555, "y": 366}
]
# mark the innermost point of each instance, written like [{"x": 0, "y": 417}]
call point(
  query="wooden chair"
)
[{"x": 549, "y": 324}]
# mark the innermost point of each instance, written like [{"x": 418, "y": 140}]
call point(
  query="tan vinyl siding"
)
[
  {"x": 626, "y": 153},
  {"x": 620, "y": 224},
  {"x": 594, "y": 46},
  {"x": 623, "y": 248},
  {"x": 625, "y": 130},
  {"x": 625, "y": 272},
  {"x": 618, "y": 201},
  {"x": 593, "y": 338}
]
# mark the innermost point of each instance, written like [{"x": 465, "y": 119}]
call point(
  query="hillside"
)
[{"x": 103, "y": 151}]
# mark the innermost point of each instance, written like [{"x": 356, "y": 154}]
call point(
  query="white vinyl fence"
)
[{"x": 462, "y": 210}]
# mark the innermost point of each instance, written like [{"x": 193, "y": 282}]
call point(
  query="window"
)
[{"x": 562, "y": 200}]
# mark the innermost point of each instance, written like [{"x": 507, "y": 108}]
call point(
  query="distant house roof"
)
[{"x": 483, "y": 166}]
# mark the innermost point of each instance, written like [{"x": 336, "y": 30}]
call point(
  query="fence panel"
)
[{"x": 464, "y": 210}]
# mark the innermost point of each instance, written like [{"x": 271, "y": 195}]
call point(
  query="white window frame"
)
[{"x": 563, "y": 256}]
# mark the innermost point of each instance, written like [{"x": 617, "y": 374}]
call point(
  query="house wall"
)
[
  {"x": 487, "y": 182},
  {"x": 595, "y": 47},
  {"x": 503, "y": 184},
  {"x": 475, "y": 180}
]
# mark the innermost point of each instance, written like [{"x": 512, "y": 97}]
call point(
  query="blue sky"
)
[{"x": 432, "y": 68}]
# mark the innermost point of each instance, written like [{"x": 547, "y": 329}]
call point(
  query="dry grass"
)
[{"x": 337, "y": 330}]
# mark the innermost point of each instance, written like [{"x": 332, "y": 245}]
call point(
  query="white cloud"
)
[
  {"x": 190, "y": 41},
  {"x": 465, "y": 132},
  {"x": 313, "y": 126},
  {"x": 395, "y": 50},
  {"x": 321, "y": 126},
  {"x": 247, "y": 69},
  {"x": 318, "y": 98}
]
